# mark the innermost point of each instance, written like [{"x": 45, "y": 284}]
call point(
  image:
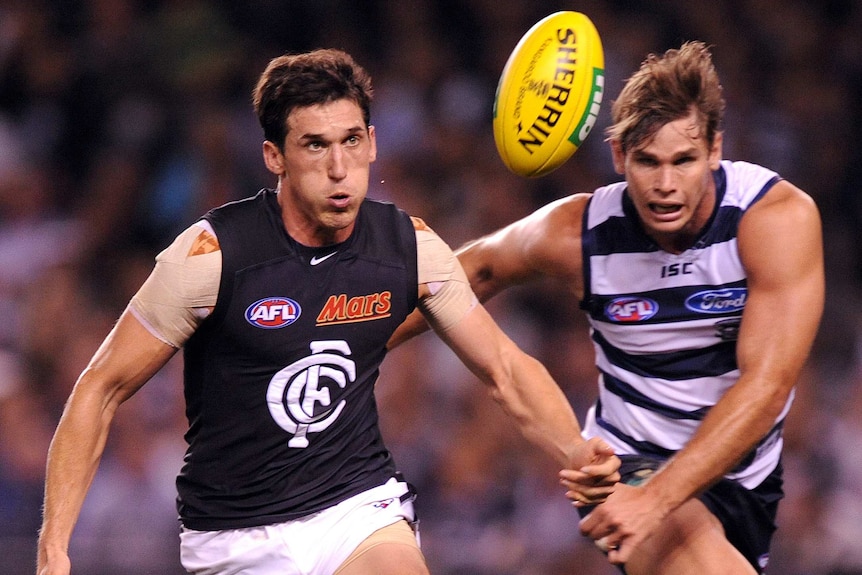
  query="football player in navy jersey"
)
[
  {"x": 283, "y": 304},
  {"x": 703, "y": 283}
]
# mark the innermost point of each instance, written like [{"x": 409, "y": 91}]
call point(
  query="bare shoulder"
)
[
  {"x": 545, "y": 243},
  {"x": 781, "y": 209},
  {"x": 564, "y": 213},
  {"x": 553, "y": 235},
  {"x": 786, "y": 196},
  {"x": 782, "y": 232}
]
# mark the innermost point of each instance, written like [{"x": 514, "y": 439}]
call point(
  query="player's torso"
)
[
  {"x": 664, "y": 325},
  {"x": 279, "y": 380}
]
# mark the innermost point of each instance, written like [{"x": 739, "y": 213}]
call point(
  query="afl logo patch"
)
[
  {"x": 630, "y": 309},
  {"x": 272, "y": 312},
  {"x": 717, "y": 301}
]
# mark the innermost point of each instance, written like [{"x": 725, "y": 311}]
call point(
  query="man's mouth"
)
[
  {"x": 340, "y": 200},
  {"x": 663, "y": 209}
]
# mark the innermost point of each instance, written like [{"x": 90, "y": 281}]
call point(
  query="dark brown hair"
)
[{"x": 301, "y": 80}]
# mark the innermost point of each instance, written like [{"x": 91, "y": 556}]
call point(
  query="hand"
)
[
  {"x": 628, "y": 517},
  {"x": 57, "y": 565},
  {"x": 595, "y": 475}
]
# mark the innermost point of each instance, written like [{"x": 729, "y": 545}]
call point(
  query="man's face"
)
[
  {"x": 670, "y": 182},
  {"x": 323, "y": 170}
]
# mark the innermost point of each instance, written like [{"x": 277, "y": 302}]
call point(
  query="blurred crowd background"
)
[{"x": 121, "y": 121}]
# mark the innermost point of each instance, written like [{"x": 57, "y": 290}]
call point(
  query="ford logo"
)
[{"x": 727, "y": 300}]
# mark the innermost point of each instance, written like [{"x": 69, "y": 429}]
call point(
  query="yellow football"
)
[{"x": 549, "y": 94}]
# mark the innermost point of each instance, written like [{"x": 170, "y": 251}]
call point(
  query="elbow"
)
[
  {"x": 483, "y": 283},
  {"x": 95, "y": 390}
]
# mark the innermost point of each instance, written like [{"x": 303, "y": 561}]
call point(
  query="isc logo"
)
[
  {"x": 630, "y": 309},
  {"x": 272, "y": 312}
]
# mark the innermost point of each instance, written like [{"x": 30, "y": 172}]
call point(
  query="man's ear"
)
[
  {"x": 716, "y": 151},
  {"x": 273, "y": 158},
  {"x": 619, "y": 157},
  {"x": 372, "y": 137}
]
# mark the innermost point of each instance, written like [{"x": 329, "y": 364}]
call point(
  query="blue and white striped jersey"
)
[{"x": 664, "y": 326}]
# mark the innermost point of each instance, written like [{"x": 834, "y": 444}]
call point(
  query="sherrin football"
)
[{"x": 549, "y": 94}]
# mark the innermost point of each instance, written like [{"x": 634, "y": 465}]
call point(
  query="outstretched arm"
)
[
  {"x": 530, "y": 396},
  {"x": 127, "y": 358},
  {"x": 518, "y": 382}
]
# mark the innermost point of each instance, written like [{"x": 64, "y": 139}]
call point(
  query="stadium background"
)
[{"x": 122, "y": 120}]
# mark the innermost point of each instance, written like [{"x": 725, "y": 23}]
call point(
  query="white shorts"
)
[{"x": 313, "y": 545}]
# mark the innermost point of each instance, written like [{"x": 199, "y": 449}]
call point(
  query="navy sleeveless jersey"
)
[{"x": 279, "y": 380}]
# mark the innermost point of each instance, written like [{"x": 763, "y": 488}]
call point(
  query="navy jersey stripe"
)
[
  {"x": 672, "y": 302},
  {"x": 587, "y": 247},
  {"x": 642, "y": 447},
  {"x": 617, "y": 232},
  {"x": 651, "y": 449},
  {"x": 712, "y": 361},
  {"x": 631, "y": 395}
]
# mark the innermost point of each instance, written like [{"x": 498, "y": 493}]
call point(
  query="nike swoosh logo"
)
[{"x": 316, "y": 260}]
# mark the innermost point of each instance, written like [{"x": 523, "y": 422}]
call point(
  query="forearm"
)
[
  {"x": 125, "y": 361},
  {"x": 540, "y": 409},
  {"x": 73, "y": 459},
  {"x": 519, "y": 383}
]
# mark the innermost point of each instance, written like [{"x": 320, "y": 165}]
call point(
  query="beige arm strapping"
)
[
  {"x": 450, "y": 294},
  {"x": 182, "y": 288}
]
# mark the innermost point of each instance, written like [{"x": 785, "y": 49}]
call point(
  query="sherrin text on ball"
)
[{"x": 549, "y": 94}]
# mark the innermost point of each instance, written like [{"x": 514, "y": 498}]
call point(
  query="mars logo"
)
[
  {"x": 630, "y": 309},
  {"x": 339, "y": 309},
  {"x": 298, "y": 396},
  {"x": 273, "y": 312}
]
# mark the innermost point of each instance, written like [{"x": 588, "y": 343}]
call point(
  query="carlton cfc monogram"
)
[{"x": 295, "y": 391}]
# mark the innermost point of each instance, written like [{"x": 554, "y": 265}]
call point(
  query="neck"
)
[{"x": 307, "y": 229}]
